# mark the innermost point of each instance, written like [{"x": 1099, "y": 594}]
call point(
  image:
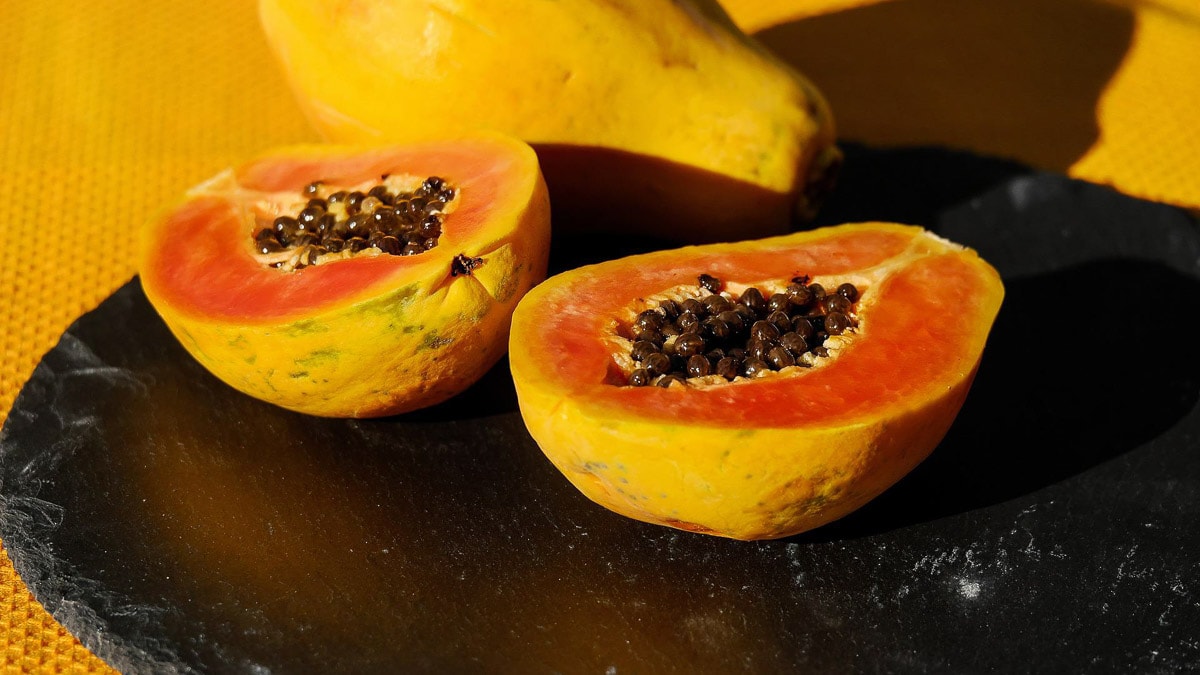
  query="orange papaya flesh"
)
[
  {"x": 773, "y": 455},
  {"x": 365, "y": 336}
]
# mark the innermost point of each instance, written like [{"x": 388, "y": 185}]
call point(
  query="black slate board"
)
[{"x": 177, "y": 526}]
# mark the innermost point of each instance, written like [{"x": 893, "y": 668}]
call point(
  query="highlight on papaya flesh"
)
[
  {"x": 798, "y": 376},
  {"x": 353, "y": 281},
  {"x": 658, "y": 117}
]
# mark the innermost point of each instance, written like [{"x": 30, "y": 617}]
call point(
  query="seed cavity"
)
[
  {"x": 732, "y": 336},
  {"x": 397, "y": 215}
]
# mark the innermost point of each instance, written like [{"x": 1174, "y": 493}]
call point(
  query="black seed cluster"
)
[
  {"x": 397, "y": 223},
  {"x": 732, "y": 337}
]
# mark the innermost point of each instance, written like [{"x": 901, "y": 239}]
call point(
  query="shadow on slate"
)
[
  {"x": 176, "y": 526},
  {"x": 910, "y": 185},
  {"x": 1080, "y": 367}
]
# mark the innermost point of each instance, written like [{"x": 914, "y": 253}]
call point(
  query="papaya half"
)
[
  {"x": 650, "y": 116},
  {"x": 352, "y": 282},
  {"x": 899, "y": 318}
]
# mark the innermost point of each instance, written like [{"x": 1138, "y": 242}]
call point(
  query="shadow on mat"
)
[{"x": 1016, "y": 79}]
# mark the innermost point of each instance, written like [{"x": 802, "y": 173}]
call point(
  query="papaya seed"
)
[
  {"x": 698, "y": 366},
  {"x": 728, "y": 367},
  {"x": 836, "y": 323},
  {"x": 381, "y": 193},
  {"x": 778, "y": 303},
  {"x": 658, "y": 364},
  {"x": 667, "y": 380},
  {"x": 780, "y": 358},
  {"x": 753, "y": 299},
  {"x": 716, "y": 304},
  {"x": 689, "y": 345},
  {"x": 717, "y": 329},
  {"x": 670, "y": 309},
  {"x": 694, "y": 306},
  {"x": 643, "y": 349},
  {"x": 794, "y": 343},
  {"x": 754, "y": 366}
]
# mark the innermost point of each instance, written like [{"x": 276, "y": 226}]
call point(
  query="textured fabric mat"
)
[{"x": 109, "y": 111}]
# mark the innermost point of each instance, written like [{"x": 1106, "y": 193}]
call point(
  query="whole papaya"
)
[{"x": 652, "y": 116}]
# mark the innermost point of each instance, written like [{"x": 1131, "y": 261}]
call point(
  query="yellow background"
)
[{"x": 110, "y": 110}]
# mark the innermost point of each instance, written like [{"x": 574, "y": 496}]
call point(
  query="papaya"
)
[
  {"x": 655, "y": 117},
  {"x": 353, "y": 282},
  {"x": 895, "y": 318}
]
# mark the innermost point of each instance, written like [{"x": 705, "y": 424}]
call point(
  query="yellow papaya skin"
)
[
  {"x": 363, "y": 337},
  {"x": 651, "y": 116},
  {"x": 776, "y": 455},
  {"x": 410, "y": 348}
]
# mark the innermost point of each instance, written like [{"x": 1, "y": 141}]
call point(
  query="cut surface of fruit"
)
[
  {"x": 353, "y": 333},
  {"x": 775, "y": 453}
]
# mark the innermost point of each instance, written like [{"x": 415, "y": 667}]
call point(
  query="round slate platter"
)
[{"x": 175, "y": 525}]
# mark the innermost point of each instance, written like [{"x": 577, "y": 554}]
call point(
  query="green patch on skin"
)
[
  {"x": 306, "y": 327},
  {"x": 412, "y": 328},
  {"x": 237, "y": 342},
  {"x": 298, "y": 374},
  {"x": 319, "y": 357},
  {"x": 508, "y": 284},
  {"x": 251, "y": 360},
  {"x": 186, "y": 336},
  {"x": 594, "y": 466},
  {"x": 480, "y": 312},
  {"x": 395, "y": 304},
  {"x": 815, "y": 503},
  {"x": 431, "y": 340},
  {"x": 267, "y": 379}
]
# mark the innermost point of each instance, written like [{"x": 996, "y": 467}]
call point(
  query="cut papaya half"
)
[
  {"x": 351, "y": 282},
  {"x": 782, "y": 442}
]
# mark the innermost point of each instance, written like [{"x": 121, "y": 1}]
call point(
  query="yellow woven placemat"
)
[
  {"x": 109, "y": 110},
  {"x": 1101, "y": 90}
]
